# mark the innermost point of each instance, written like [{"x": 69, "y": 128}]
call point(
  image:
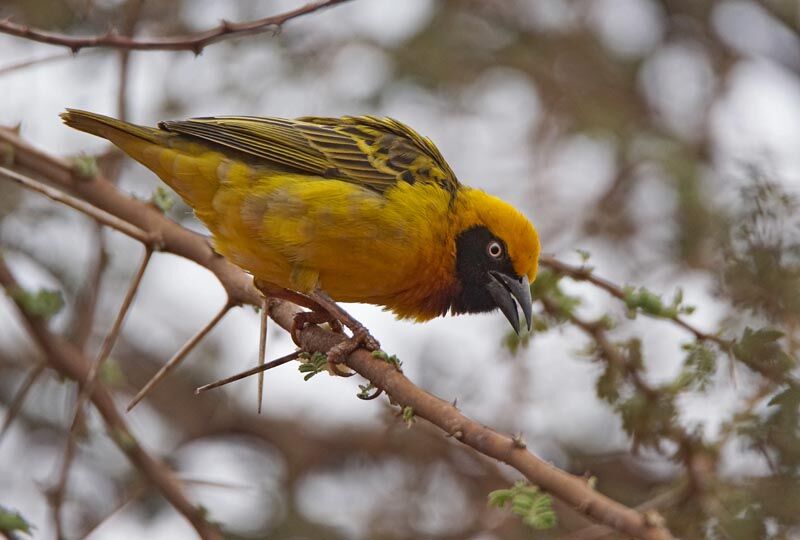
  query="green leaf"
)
[
  {"x": 528, "y": 502},
  {"x": 648, "y": 418},
  {"x": 698, "y": 368},
  {"x": 43, "y": 303},
  {"x": 163, "y": 199},
  {"x": 111, "y": 373},
  {"x": 365, "y": 390},
  {"x": 313, "y": 364},
  {"x": 546, "y": 286},
  {"x": 408, "y": 415},
  {"x": 85, "y": 167},
  {"x": 761, "y": 350},
  {"x": 383, "y": 355},
  {"x": 12, "y": 522},
  {"x": 585, "y": 256}
]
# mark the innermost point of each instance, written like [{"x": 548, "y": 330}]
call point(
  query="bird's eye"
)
[{"x": 494, "y": 249}]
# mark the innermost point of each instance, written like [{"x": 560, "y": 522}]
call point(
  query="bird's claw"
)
[
  {"x": 361, "y": 338},
  {"x": 339, "y": 352},
  {"x": 305, "y": 318}
]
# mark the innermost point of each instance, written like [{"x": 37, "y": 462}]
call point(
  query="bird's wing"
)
[{"x": 374, "y": 152}]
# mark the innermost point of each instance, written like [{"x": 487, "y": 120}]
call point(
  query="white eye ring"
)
[{"x": 494, "y": 249}]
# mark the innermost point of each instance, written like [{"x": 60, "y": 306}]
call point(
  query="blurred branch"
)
[
  {"x": 584, "y": 273},
  {"x": 178, "y": 357},
  {"x": 91, "y": 211},
  {"x": 571, "y": 489},
  {"x": 133, "y": 11},
  {"x": 191, "y": 42},
  {"x": 68, "y": 360},
  {"x": 34, "y": 62},
  {"x": 19, "y": 397}
]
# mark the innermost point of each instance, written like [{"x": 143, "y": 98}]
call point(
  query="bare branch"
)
[
  {"x": 179, "y": 356},
  {"x": 5, "y": 70},
  {"x": 85, "y": 310},
  {"x": 259, "y": 369},
  {"x": 582, "y": 273},
  {"x": 111, "y": 338},
  {"x": 16, "y": 403},
  {"x": 192, "y": 42},
  {"x": 58, "y": 196},
  {"x": 262, "y": 349},
  {"x": 71, "y": 363}
]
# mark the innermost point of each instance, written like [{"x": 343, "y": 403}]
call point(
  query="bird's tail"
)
[
  {"x": 187, "y": 167},
  {"x": 117, "y": 131}
]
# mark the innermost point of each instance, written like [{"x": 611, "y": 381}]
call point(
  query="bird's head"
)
[{"x": 497, "y": 255}]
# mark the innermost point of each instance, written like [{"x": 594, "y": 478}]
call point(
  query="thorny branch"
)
[
  {"x": 69, "y": 361},
  {"x": 583, "y": 273},
  {"x": 175, "y": 239},
  {"x": 191, "y": 42},
  {"x": 698, "y": 466}
]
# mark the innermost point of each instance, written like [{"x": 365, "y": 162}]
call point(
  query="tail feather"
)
[
  {"x": 186, "y": 166},
  {"x": 109, "y": 128}
]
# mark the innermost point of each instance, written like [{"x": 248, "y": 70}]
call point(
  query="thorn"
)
[
  {"x": 457, "y": 434},
  {"x": 517, "y": 441},
  {"x": 111, "y": 338},
  {"x": 262, "y": 348},
  {"x": 454, "y": 403},
  {"x": 653, "y": 519},
  {"x": 258, "y": 369},
  {"x": 178, "y": 357}
]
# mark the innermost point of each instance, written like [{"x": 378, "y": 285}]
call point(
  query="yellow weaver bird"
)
[{"x": 352, "y": 209}]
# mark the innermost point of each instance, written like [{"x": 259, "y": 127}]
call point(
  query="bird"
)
[{"x": 321, "y": 210}]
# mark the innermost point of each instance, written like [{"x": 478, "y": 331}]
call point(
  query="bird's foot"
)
[
  {"x": 361, "y": 338},
  {"x": 306, "y": 318},
  {"x": 335, "y": 315}
]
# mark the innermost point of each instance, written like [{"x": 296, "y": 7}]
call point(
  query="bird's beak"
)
[{"x": 505, "y": 289}]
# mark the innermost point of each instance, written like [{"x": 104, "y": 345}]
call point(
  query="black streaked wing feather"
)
[{"x": 373, "y": 152}]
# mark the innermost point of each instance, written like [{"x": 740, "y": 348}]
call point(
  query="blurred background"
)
[{"x": 653, "y": 141}]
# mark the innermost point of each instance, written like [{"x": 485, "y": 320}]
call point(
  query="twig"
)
[
  {"x": 662, "y": 500},
  {"x": 64, "y": 357},
  {"x": 16, "y": 403},
  {"x": 262, "y": 349},
  {"x": 131, "y": 496},
  {"x": 582, "y": 273},
  {"x": 5, "y": 70},
  {"x": 261, "y": 368},
  {"x": 100, "y": 215},
  {"x": 86, "y": 304},
  {"x": 134, "y": 9},
  {"x": 179, "y": 356},
  {"x": 240, "y": 289},
  {"x": 111, "y": 338},
  {"x": 101, "y": 193},
  {"x": 699, "y": 467},
  {"x": 58, "y": 491},
  {"x": 192, "y": 42}
]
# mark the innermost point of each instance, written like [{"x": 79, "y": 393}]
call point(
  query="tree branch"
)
[
  {"x": 175, "y": 239},
  {"x": 69, "y": 361},
  {"x": 582, "y": 273},
  {"x": 191, "y": 42}
]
